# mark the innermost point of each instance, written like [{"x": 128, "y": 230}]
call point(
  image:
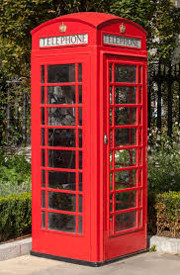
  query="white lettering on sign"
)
[
  {"x": 121, "y": 41},
  {"x": 75, "y": 39}
]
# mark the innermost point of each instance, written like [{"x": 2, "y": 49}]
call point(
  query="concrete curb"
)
[
  {"x": 14, "y": 249},
  {"x": 164, "y": 244}
]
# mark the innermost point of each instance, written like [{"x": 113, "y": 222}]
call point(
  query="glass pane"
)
[
  {"x": 43, "y": 199},
  {"x": 110, "y": 159},
  {"x": 111, "y": 181},
  {"x": 80, "y": 94},
  {"x": 80, "y": 160},
  {"x": 111, "y": 224},
  {"x": 140, "y": 198},
  {"x": 61, "y": 159},
  {"x": 110, "y": 95},
  {"x": 110, "y": 73},
  {"x": 80, "y": 116},
  {"x": 140, "y": 218},
  {"x": 110, "y": 116},
  {"x": 61, "y": 116},
  {"x": 125, "y": 200},
  {"x": 43, "y": 157},
  {"x": 61, "y": 73},
  {"x": 62, "y": 180},
  {"x": 124, "y": 158},
  {"x": 111, "y": 137},
  {"x": 43, "y": 178},
  {"x": 125, "y": 95},
  {"x": 42, "y": 95},
  {"x": 125, "y": 221},
  {"x": 140, "y": 69},
  {"x": 125, "y": 116},
  {"x": 61, "y": 95},
  {"x": 43, "y": 137},
  {"x": 43, "y": 216},
  {"x": 125, "y": 137},
  {"x": 140, "y": 95},
  {"x": 62, "y": 222},
  {"x": 125, "y": 73},
  {"x": 80, "y": 138},
  {"x": 62, "y": 201},
  {"x": 80, "y": 72},
  {"x": 111, "y": 202},
  {"x": 62, "y": 137},
  {"x": 80, "y": 203},
  {"x": 42, "y": 74},
  {"x": 80, "y": 225},
  {"x": 80, "y": 182},
  {"x": 125, "y": 179},
  {"x": 42, "y": 116}
]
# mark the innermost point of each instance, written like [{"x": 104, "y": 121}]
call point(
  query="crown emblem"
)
[
  {"x": 63, "y": 28},
  {"x": 122, "y": 28}
]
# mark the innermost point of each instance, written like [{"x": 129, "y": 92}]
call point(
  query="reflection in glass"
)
[
  {"x": 62, "y": 222},
  {"x": 62, "y": 201},
  {"x": 61, "y": 95},
  {"x": 125, "y": 179},
  {"x": 125, "y": 200},
  {"x": 110, "y": 116},
  {"x": 125, "y": 137},
  {"x": 43, "y": 178},
  {"x": 61, "y": 159},
  {"x": 43, "y": 199},
  {"x": 80, "y": 94},
  {"x": 42, "y": 74},
  {"x": 61, "y": 73},
  {"x": 125, "y": 116},
  {"x": 80, "y": 138},
  {"x": 111, "y": 202},
  {"x": 62, "y": 180},
  {"x": 62, "y": 137},
  {"x": 110, "y": 72},
  {"x": 43, "y": 157},
  {"x": 110, "y": 159},
  {"x": 124, "y": 158},
  {"x": 43, "y": 219},
  {"x": 140, "y": 218},
  {"x": 61, "y": 116},
  {"x": 125, "y": 95},
  {"x": 80, "y": 225},
  {"x": 125, "y": 221},
  {"x": 80, "y": 116},
  {"x": 42, "y": 116},
  {"x": 80, "y": 159},
  {"x": 80, "y": 203},
  {"x": 80, "y": 182},
  {"x": 43, "y": 137},
  {"x": 42, "y": 95},
  {"x": 80, "y": 72},
  {"x": 125, "y": 73}
]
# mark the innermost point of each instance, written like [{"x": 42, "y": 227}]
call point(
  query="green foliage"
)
[
  {"x": 161, "y": 19},
  {"x": 168, "y": 214},
  {"x": 15, "y": 215},
  {"x": 15, "y": 174},
  {"x": 152, "y": 248}
]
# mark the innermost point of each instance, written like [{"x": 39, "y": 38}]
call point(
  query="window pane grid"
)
[{"x": 47, "y": 146}]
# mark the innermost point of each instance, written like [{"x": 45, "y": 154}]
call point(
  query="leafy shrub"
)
[
  {"x": 168, "y": 214},
  {"x": 15, "y": 174},
  {"x": 15, "y": 215},
  {"x": 163, "y": 169}
]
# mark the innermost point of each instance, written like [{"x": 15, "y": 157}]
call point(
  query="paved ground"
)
[{"x": 145, "y": 264}]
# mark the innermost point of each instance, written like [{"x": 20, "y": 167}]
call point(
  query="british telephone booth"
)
[{"x": 89, "y": 138}]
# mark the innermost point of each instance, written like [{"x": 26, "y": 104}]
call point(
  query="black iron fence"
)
[
  {"x": 163, "y": 104},
  {"x": 163, "y": 96}
]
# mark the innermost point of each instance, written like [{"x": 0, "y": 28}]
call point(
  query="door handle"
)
[{"x": 105, "y": 139}]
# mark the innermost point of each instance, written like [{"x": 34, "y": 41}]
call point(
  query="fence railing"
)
[
  {"x": 163, "y": 104},
  {"x": 163, "y": 96}
]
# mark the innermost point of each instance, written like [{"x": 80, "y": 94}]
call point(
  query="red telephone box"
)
[{"x": 89, "y": 138}]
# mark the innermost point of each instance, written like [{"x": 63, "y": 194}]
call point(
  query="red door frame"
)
[
  {"x": 119, "y": 243},
  {"x": 44, "y": 240}
]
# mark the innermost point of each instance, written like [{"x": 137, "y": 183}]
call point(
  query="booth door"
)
[
  {"x": 60, "y": 206},
  {"x": 124, "y": 149}
]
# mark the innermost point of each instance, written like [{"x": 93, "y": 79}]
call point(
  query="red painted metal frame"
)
[{"x": 96, "y": 244}]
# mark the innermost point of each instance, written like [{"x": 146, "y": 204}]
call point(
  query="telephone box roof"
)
[{"x": 94, "y": 19}]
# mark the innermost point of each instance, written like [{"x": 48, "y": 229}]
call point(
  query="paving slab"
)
[{"x": 145, "y": 264}]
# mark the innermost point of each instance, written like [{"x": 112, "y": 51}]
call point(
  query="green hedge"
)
[
  {"x": 168, "y": 214},
  {"x": 15, "y": 215}
]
